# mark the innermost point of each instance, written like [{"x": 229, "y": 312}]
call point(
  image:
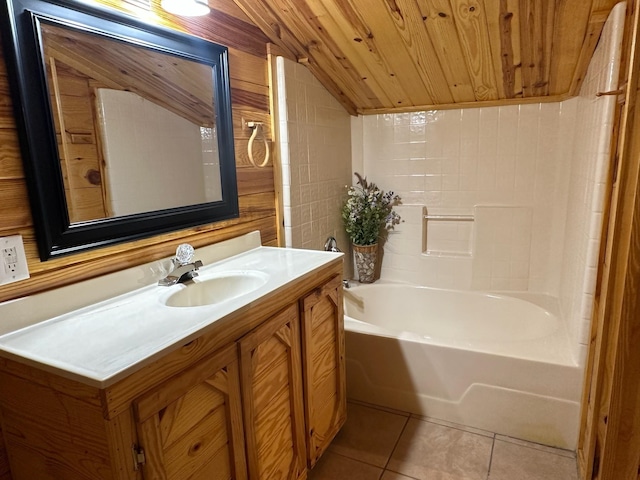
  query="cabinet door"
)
[
  {"x": 190, "y": 427},
  {"x": 272, "y": 398},
  {"x": 323, "y": 366}
]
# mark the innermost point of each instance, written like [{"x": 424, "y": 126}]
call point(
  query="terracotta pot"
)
[{"x": 366, "y": 260}]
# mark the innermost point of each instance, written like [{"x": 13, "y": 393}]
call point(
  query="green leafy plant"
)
[{"x": 368, "y": 212}]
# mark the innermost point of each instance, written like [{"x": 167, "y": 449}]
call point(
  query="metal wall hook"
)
[{"x": 257, "y": 128}]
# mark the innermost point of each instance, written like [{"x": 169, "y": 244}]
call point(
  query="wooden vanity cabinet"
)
[
  {"x": 272, "y": 398},
  {"x": 257, "y": 397},
  {"x": 323, "y": 364},
  {"x": 5, "y": 473},
  {"x": 190, "y": 427}
]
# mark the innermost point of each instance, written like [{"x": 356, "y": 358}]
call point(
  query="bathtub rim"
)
[{"x": 554, "y": 355}]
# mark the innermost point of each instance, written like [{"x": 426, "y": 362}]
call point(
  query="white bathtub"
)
[{"x": 491, "y": 361}]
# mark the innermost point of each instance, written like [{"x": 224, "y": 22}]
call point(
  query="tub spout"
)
[
  {"x": 331, "y": 245},
  {"x": 345, "y": 284}
]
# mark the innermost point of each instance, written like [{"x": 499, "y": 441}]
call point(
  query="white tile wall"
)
[{"x": 315, "y": 151}]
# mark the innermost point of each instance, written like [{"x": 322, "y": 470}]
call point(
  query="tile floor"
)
[{"x": 383, "y": 444}]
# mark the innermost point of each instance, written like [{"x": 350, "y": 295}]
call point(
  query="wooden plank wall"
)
[
  {"x": 226, "y": 25},
  {"x": 72, "y": 100}
]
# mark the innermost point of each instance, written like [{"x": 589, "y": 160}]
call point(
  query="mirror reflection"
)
[{"x": 135, "y": 127}]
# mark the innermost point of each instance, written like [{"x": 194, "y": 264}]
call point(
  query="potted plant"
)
[{"x": 368, "y": 216}]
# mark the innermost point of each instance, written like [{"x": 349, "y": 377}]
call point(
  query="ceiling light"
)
[{"x": 186, "y": 8}]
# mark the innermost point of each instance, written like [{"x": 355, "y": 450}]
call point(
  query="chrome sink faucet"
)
[{"x": 184, "y": 268}]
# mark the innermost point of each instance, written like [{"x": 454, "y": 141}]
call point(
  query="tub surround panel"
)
[
  {"x": 502, "y": 249},
  {"x": 454, "y": 160},
  {"x": 445, "y": 237},
  {"x": 491, "y": 252},
  {"x": 590, "y": 161},
  {"x": 404, "y": 259}
]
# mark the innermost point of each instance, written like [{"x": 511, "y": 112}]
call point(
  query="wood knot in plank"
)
[
  {"x": 94, "y": 177},
  {"x": 195, "y": 447}
]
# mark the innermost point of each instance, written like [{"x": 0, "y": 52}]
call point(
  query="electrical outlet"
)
[{"x": 13, "y": 261}]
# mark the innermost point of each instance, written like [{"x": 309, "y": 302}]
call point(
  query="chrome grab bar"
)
[{"x": 458, "y": 218}]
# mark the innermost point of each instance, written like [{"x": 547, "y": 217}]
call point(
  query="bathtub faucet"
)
[
  {"x": 331, "y": 245},
  {"x": 183, "y": 267},
  {"x": 346, "y": 284}
]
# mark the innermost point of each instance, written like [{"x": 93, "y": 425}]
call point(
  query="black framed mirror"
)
[{"x": 70, "y": 67}]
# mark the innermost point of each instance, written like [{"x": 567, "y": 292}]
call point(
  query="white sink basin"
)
[{"x": 218, "y": 289}]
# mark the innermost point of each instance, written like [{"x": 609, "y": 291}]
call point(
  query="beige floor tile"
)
[
  {"x": 511, "y": 461},
  {"x": 337, "y": 467},
  {"x": 369, "y": 434},
  {"x": 428, "y": 451}
]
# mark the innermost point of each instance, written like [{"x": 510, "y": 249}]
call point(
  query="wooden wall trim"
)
[
  {"x": 609, "y": 446},
  {"x": 619, "y": 405},
  {"x": 273, "y": 51}
]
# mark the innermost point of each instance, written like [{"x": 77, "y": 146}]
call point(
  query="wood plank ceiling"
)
[{"x": 399, "y": 55}]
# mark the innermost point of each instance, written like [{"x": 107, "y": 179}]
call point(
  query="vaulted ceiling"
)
[{"x": 395, "y": 55}]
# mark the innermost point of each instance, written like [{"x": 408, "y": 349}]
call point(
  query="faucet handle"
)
[{"x": 184, "y": 253}]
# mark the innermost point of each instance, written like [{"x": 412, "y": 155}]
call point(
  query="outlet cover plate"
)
[{"x": 13, "y": 261}]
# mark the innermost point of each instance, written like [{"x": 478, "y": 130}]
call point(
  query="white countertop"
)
[{"x": 106, "y": 341}]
